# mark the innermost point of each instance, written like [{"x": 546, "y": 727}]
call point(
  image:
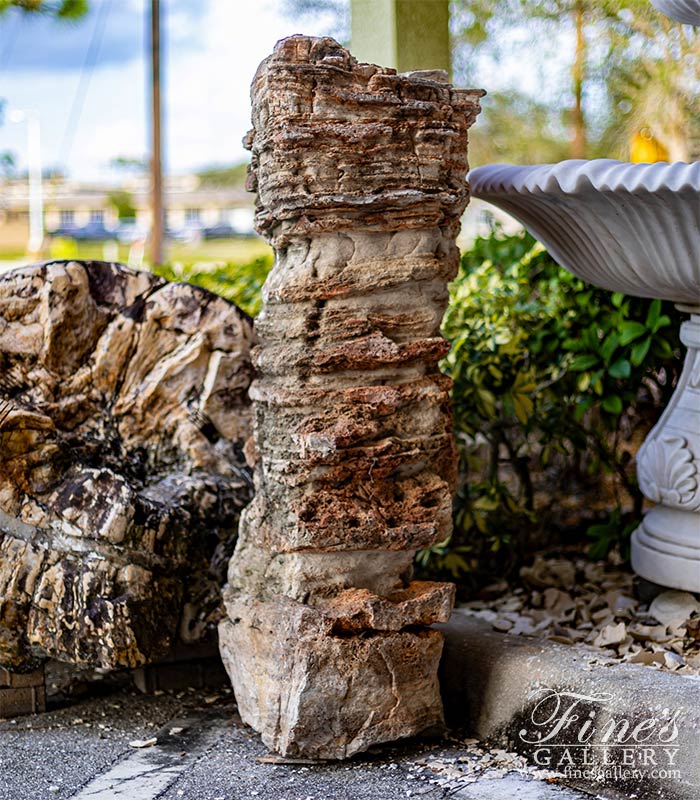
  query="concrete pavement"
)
[
  {"x": 627, "y": 730},
  {"x": 87, "y": 750}
]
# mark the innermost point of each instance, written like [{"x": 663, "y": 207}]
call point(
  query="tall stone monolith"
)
[{"x": 360, "y": 180}]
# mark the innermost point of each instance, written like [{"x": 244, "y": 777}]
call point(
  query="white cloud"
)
[
  {"x": 209, "y": 91},
  {"x": 207, "y": 108}
]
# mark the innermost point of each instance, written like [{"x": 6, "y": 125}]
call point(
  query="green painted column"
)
[{"x": 405, "y": 34}]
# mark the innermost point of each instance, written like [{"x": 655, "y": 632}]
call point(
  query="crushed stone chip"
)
[
  {"x": 674, "y": 608},
  {"x": 592, "y": 605},
  {"x": 144, "y": 742}
]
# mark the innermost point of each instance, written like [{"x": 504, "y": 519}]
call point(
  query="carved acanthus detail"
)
[{"x": 668, "y": 472}]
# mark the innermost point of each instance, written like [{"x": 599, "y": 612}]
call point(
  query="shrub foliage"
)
[
  {"x": 239, "y": 283},
  {"x": 556, "y": 383}
]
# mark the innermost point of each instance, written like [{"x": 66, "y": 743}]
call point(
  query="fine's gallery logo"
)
[{"x": 582, "y": 736}]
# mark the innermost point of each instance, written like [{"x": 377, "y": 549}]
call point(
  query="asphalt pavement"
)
[{"x": 114, "y": 743}]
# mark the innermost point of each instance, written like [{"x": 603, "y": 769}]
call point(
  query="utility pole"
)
[{"x": 156, "y": 239}]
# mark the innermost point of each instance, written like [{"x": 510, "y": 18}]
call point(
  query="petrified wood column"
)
[{"x": 360, "y": 175}]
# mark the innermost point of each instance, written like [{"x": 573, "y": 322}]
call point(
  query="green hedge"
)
[
  {"x": 239, "y": 283},
  {"x": 555, "y": 385}
]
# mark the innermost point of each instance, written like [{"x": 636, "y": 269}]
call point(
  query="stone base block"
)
[
  {"x": 22, "y": 693},
  {"x": 312, "y": 694}
]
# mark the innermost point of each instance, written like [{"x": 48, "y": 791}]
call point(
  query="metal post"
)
[
  {"x": 36, "y": 193},
  {"x": 404, "y": 34}
]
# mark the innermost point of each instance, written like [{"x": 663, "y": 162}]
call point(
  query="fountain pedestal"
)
[
  {"x": 632, "y": 228},
  {"x": 666, "y": 545}
]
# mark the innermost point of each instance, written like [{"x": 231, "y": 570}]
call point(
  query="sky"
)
[{"x": 213, "y": 48}]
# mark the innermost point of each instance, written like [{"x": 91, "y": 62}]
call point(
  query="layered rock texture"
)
[
  {"x": 123, "y": 413},
  {"x": 360, "y": 180}
]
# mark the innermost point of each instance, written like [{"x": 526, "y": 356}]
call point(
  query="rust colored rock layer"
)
[
  {"x": 360, "y": 175},
  {"x": 123, "y": 413}
]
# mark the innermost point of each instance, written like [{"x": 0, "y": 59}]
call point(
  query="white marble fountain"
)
[
  {"x": 632, "y": 228},
  {"x": 686, "y": 11}
]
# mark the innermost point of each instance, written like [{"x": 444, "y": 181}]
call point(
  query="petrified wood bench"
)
[{"x": 123, "y": 414}]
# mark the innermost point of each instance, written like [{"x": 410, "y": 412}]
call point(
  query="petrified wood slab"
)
[
  {"x": 360, "y": 179},
  {"x": 123, "y": 414}
]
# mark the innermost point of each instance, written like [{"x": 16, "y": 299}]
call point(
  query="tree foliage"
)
[
  {"x": 633, "y": 69},
  {"x": 61, "y": 9},
  {"x": 636, "y": 69},
  {"x": 224, "y": 176},
  {"x": 123, "y": 203},
  {"x": 651, "y": 70},
  {"x": 518, "y": 129},
  {"x": 129, "y": 164},
  {"x": 8, "y": 165}
]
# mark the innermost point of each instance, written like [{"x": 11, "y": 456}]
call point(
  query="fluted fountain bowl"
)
[
  {"x": 632, "y": 228},
  {"x": 686, "y": 11}
]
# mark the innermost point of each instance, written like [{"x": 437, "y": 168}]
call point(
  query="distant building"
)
[
  {"x": 68, "y": 204},
  {"x": 189, "y": 207}
]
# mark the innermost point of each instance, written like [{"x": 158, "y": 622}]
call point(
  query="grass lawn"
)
[{"x": 217, "y": 250}]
